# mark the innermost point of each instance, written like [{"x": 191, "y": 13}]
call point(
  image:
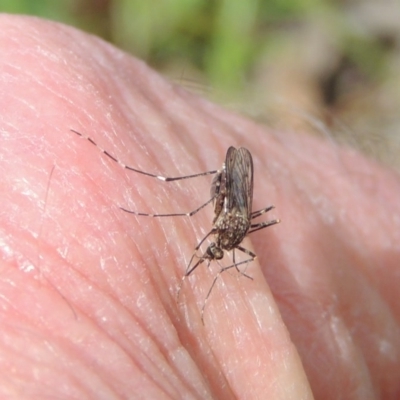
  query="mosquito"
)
[{"x": 232, "y": 196}]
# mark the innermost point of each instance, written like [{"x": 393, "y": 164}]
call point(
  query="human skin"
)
[{"x": 88, "y": 293}]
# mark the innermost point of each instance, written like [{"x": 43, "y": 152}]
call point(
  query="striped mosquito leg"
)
[
  {"x": 256, "y": 214},
  {"x": 188, "y": 214},
  {"x": 262, "y": 225},
  {"x": 161, "y": 178}
]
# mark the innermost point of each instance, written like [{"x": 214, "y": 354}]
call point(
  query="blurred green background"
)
[{"x": 325, "y": 67}]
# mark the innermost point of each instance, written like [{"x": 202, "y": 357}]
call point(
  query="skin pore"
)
[{"x": 88, "y": 292}]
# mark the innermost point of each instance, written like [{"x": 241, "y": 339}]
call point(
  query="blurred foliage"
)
[
  {"x": 282, "y": 61},
  {"x": 221, "y": 39},
  {"x": 56, "y": 10}
]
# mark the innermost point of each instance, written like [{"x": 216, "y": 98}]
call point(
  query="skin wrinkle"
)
[
  {"x": 162, "y": 345},
  {"x": 142, "y": 364}
]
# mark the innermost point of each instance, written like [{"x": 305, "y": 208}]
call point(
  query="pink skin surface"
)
[{"x": 88, "y": 293}]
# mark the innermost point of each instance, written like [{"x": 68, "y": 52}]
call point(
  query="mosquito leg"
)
[
  {"x": 234, "y": 260},
  {"x": 250, "y": 254},
  {"x": 262, "y": 225},
  {"x": 256, "y": 214},
  {"x": 208, "y": 295},
  {"x": 234, "y": 264},
  {"x": 189, "y": 269},
  {"x": 188, "y": 214},
  {"x": 220, "y": 273},
  {"x": 161, "y": 178}
]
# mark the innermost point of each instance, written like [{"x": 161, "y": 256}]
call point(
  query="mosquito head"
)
[{"x": 214, "y": 252}]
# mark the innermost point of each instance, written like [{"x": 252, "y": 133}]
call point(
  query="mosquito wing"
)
[{"x": 239, "y": 180}]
